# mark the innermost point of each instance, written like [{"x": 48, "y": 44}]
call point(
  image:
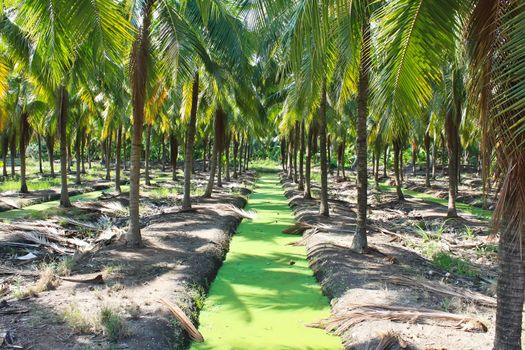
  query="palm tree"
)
[{"x": 494, "y": 35}]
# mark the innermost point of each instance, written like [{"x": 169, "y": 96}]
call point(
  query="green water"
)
[{"x": 258, "y": 300}]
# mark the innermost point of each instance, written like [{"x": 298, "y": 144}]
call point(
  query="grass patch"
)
[
  {"x": 163, "y": 192},
  {"x": 114, "y": 325},
  {"x": 77, "y": 321},
  {"x": 35, "y": 184},
  {"x": 477, "y": 212},
  {"x": 48, "y": 280},
  {"x": 454, "y": 265}
]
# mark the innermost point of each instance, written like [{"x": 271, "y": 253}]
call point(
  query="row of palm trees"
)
[
  {"x": 359, "y": 73},
  {"x": 404, "y": 70}
]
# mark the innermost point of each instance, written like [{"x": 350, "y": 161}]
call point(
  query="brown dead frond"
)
[
  {"x": 184, "y": 320},
  {"x": 357, "y": 313},
  {"x": 440, "y": 289},
  {"x": 390, "y": 341},
  {"x": 305, "y": 238},
  {"x": 298, "y": 228},
  {"x": 250, "y": 215}
]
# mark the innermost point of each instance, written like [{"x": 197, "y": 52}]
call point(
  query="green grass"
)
[
  {"x": 114, "y": 325},
  {"x": 478, "y": 212},
  {"x": 264, "y": 165},
  {"x": 51, "y": 208},
  {"x": 163, "y": 192},
  {"x": 33, "y": 184},
  {"x": 452, "y": 264},
  {"x": 259, "y": 300}
]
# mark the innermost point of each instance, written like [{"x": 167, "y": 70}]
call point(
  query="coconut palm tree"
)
[{"x": 494, "y": 55}]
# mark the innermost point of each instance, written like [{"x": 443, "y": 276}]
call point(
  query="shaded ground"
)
[
  {"x": 410, "y": 240},
  {"x": 265, "y": 294},
  {"x": 182, "y": 254}
]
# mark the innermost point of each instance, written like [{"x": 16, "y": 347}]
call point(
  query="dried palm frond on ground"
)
[
  {"x": 305, "y": 238},
  {"x": 389, "y": 341},
  {"x": 184, "y": 320},
  {"x": 243, "y": 213},
  {"x": 298, "y": 228},
  {"x": 113, "y": 208},
  {"x": 441, "y": 289},
  {"x": 357, "y": 313}
]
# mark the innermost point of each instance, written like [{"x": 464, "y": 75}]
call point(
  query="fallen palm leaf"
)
[
  {"x": 445, "y": 290},
  {"x": 184, "y": 321},
  {"x": 357, "y": 313},
  {"x": 42, "y": 240},
  {"x": 305, "y": 238},
  {"x": 95, "y": 280},
  {"x": 251, "y": 215},
  {"x": 298, "y": 228},
  {"x": 390, "y": 341}
]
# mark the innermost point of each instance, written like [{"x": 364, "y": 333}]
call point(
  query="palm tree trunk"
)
[
  {"x": 434, "y": 159},
  {"x": 373, "y": 163},
  {"x": 451, "y": 128},
  {"x": 124, "y": 162},
  {"x": 339, "y": 150},
  {"x": 219, "y": 169},
  {"x": 13, "y": 154},
  {"x": 83, "y": 151},
  {"x": 5, "y": 146},
  {"x": 359, "y": 243},
  {"x": 376, "y": 174},
  {"x": 397, "y": 152},
  {"x": 343, "y": 148},
  {"x": 308, "y": 167},
  {"x": 174, "y": 152},
  {"x": 69, "y": 157},
  {"x": 39, "y": 140},
  {"x": 323, "y": 207},
  {"x": 300, "y": 187},
  {"x": 295, "y": 151},
  {"x": 249, "y": 159},
  {"x": 190, "y": 138},
  {"x": 443, "y": 154},
  {"x": 139, "y": 69},
  {"x": 108, "y": 155},
  {"x": 24, "y": 136},
  {"x": 77, "y": 151},
  {"x": 329, "y": 152},
  {"x": 247, "y": 155},
  {"x": 458, "y": 158},
  {"x": 283, "y": 153},
  {"x": 119, "y": 158},
  {"x": 241, "y": 154},
  {"x": 511, "y": 285},
  {"x": 163, "y": 144},
  {"x": 213, "y": 168},
  {"x": 414, "y": 157},
  {"x": 427, "y": 159},
  {"x": 401, "y": 165},
  {"x": 218, "y": 145},
  {"x": 205, "y": 152},
  {"x": 385, "y": 162},
  {"x": 147, "y": 155},
  {"x": 62, "y": 127},
  {"x": 208, "y": 155},
  {"x": 235, "y": 153},
  {"x": 290, "y": 157},
  {"x": 227, "y": 153},
  {"x": 50, "y": 143}
]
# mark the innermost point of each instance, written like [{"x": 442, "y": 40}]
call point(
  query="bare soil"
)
[
  {"x": 181, "y": 255},
  {"x": 403, "y": 237}
]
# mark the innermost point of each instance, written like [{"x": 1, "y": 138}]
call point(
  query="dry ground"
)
[
  {"x": 181, "y": 255},
  {"x": 412, "y": 243}
]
